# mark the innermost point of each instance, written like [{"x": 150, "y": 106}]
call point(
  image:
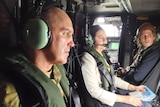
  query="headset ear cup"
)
[
  {"x": 36, "y": 33},
  {"x": 89, "y": 40}
]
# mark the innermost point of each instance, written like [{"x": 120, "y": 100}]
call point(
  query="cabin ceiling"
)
[{"x": 138, "y": 7}]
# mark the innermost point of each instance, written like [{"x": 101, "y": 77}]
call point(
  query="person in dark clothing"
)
[{"x": 147, "y": 56}]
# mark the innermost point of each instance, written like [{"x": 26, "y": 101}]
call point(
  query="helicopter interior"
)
[{"x": 119, "y": 18}]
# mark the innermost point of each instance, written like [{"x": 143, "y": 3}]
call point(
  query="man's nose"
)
[{"x": 71, "y": 43}]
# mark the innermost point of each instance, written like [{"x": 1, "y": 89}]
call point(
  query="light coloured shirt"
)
[{"x": 93, "y": 83}]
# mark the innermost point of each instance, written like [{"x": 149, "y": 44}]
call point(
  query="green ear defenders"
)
[{"x": 36, "y": 33}]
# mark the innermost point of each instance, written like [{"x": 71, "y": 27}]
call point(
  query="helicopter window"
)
[{"x": 112, "y": 25}]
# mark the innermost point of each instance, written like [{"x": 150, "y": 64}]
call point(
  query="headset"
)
[
  {"x": 36, "y": 32},
  {"x": 89, "y": 40}
]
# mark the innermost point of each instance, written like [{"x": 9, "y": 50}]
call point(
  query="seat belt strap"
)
[
  {"x": 76, "y": 98},
  {"x": 103, "y": 69}
]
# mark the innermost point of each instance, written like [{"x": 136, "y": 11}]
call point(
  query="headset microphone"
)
[{"x": 105, "y": 45}]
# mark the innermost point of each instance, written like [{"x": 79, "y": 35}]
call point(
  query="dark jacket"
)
[{"x": 146, "y": 63}]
